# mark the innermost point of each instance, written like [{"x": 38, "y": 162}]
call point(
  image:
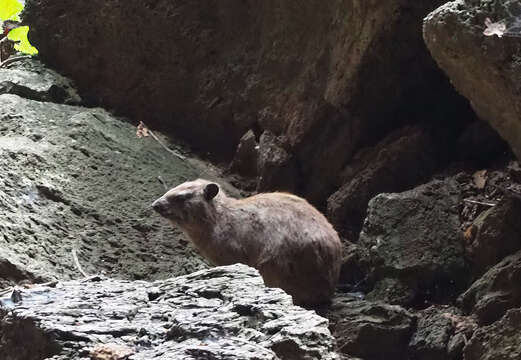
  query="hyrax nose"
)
[{"x": 159, "y": 206}]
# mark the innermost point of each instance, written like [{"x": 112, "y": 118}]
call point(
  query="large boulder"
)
[
  {"x": 76, "y": 178},
  {"x": 220, "y": 313},
  {"x": 486, "y": 70},
  {"x": 329, "y": 76},
  {"x": 416, "y": 244}
]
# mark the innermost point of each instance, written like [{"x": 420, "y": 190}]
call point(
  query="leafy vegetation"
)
[
  {"x": 19, "y": 35},
  {"x": 10, "y": 10}
]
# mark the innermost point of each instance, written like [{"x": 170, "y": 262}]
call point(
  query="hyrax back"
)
[{"x": 292, "y": 245}]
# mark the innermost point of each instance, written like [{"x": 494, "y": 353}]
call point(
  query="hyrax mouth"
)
[{"x": 163, "y": 208}]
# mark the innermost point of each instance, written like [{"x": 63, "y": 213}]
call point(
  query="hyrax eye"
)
[{"x": 180, "y": 197}]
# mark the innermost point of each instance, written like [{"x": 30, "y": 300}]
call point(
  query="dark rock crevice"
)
[{"x": 16, "y": 335}]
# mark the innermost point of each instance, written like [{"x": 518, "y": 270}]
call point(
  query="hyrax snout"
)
[{"x": 291, "y": 243}]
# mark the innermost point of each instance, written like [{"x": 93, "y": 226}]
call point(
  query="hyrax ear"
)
[{"x": 210, "y": 191}]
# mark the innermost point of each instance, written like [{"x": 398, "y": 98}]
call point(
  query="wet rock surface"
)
[
  {"x": 220, "y": 313},
  {"x": 416, "y": 244},
  {"x": 79, "y": 178},
  {"x": 485, "y": 69}
]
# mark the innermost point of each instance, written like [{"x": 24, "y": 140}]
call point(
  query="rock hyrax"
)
[{"x": 292, "y": 245}]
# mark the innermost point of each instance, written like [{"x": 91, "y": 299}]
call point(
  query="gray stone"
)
[
  {"x": 484, "y": 69},
  {"x": 496, "y": 234},
  {"x": 77, "y": 178},
  {"x": 498, "y": 290},
  {"x": 403, "y": 159},
  {"x": 499, "y": 341},
  {"x": 277, "y": 167},
  {"x": 414, "y": 239},
  {"x": 14, "y": 272},
  {"x": 440, "y": 333},
  {"x": 246, "y": 156},
  {"x": 31, "y": 80},
  {"x": 220, "y": 313},
  {"x": 370, "y": 330},
  {"x": 356, "y": 266},
  {"x": 394, "y": 290}
]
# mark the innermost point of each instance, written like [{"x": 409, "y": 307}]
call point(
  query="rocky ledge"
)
[{"x": 220, "y": 313}]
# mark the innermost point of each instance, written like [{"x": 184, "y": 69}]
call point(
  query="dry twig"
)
[
  {"x": 163, "y": 182},
  {"x": 479, "y": 202},
  {"x": 175, "y": 153},
  {"x": 77, "y": 263}
]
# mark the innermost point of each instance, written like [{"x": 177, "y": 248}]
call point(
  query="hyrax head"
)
[{"x": 187, "y": 203}]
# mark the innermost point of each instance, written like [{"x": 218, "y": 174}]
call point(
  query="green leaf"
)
[
  {"x": 20, "y": 35},
  {"x": 9, "y": 9}
]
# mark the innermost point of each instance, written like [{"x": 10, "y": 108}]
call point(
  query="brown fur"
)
[{"x": 292, "y": 245}]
